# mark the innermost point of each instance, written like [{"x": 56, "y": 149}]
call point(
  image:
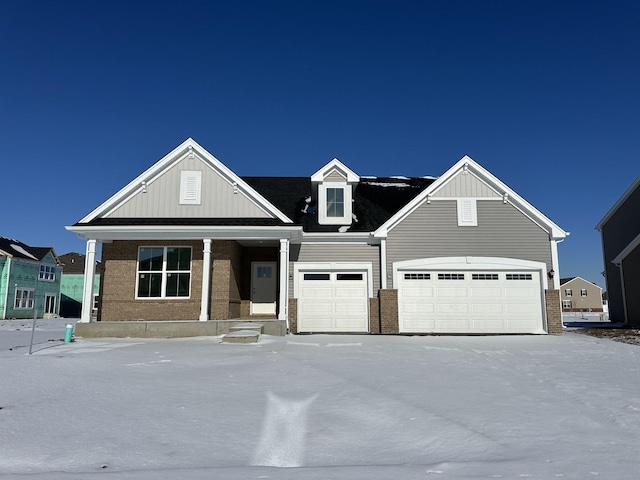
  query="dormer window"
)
[{"x": 335, "y": 183}]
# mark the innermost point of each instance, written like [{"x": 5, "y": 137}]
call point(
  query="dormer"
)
[{"x": 334, "y": 184}]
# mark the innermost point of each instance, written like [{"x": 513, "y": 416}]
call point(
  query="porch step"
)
[
  {"x": 241, "y": 336},
  {"x": 258, "y": 327}
]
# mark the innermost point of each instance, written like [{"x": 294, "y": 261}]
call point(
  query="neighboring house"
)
[
  {"x": 620, "y": 233},
  {"x": 189, "y": 239},
  {"x": 72, "y": 283},
  {"x": 579, "y": 295},
  {"x": 29, "y": 280}
]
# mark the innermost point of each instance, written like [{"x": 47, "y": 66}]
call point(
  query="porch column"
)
[
  {"x": 89, "y": 275},
  {"x": 383, "y": 264},
  {"x": 206, "y": 280},
  {"x": 283, "y": 304}
]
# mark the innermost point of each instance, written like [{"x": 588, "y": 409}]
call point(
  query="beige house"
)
[{"x": 580, "y": 295}]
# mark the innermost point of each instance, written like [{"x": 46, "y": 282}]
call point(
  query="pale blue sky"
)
[{"x": 542, "y": 94}]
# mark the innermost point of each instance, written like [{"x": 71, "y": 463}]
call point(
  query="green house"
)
[
  {"x": 72, "y": 284},
  {"x": 29, "y": 280}
]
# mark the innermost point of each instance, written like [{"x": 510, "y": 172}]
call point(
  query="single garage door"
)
[
  {"x": 333, "y": 302},
  {"x": 470, "y": 301}
]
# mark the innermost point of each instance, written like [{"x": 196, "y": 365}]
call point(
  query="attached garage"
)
[
  {"x": 470, "y": 295},
  {"x": 332, "y": 297}
]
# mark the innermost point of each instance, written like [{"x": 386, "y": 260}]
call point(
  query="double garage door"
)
[
  {"x": 469, "y": 301},
  {"x": 333, "y": 301}
]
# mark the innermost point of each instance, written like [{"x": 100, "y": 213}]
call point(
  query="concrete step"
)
[
  {"x": 241, "y": 336},
  {"x": 258, "y": 327}
]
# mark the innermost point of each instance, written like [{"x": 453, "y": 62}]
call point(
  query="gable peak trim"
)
[{"x": 335, "y": 165}]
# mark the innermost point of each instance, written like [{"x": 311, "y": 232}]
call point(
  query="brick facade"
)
[
  {"x": 374, "y": 315},
  {"x": 554, "y": 312},
  {"x": 388, "y": 311}
]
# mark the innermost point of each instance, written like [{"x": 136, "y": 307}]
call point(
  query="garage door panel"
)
[
  {"x": 333, "y": 302},
  {"x": 468, "y": 301}
]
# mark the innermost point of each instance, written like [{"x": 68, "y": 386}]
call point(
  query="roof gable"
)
[
  {"x": 566, "y": 281},
  {"x": 619, "y": 203},
  {"x": 17, "y": 249},
  {"x": 466, "y": 165},
  {"x": 156, "y": 193},
  {"x": 334, "y": 170}
]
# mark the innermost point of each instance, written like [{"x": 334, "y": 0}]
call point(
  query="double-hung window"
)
[
  {"x": 335, "y": 202},
  {"x": 47, "y": 273},
  {"x": 164, "y": 272},
  {"x": 583, "y": 292}
]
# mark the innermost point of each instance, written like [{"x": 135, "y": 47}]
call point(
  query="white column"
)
[
  {"x": 206, "y": 280},
  {"x": 383, "y": 263},
  {"x": 555, "y": 265},
  {"x": 283, "y": 306},
  {"x": 89, "y": 275}
]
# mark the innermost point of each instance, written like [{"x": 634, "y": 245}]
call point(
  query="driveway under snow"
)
[{"x": 318, "y": 407}]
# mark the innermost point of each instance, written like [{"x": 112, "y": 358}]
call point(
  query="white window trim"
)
[
  {"x": 568, "y": 292},
  {"x": 583, "y": 292},
  {"x": 47, "y": 273},
  {"x": 323, "y": 219},
  {"x": 467, "y": 212},
  {"x": 164, "y": 272}
]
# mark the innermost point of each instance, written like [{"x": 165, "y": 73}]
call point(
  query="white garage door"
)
[
  {"x": 470, "y": 301},
  {"x": 333, "y": 302}
]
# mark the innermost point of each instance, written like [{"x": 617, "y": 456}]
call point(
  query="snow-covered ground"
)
[{"x": 326, "y": 407}]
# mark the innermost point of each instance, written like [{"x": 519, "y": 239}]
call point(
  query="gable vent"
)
[
  {"x": 467, "y": 212},
  {"x": 190, "y": 187}
]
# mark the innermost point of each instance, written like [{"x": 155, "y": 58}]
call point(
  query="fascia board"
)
[
  {"x": 555, "y": 232},
  {"x": 339, "y": 238},
  {"x": 352, "y": 177},
  {"x": 166, "y": 162},
  {"x": 627, "y": 250},
  {"x": 618, "y": 204},
  {"x": 183, "y": 232}
]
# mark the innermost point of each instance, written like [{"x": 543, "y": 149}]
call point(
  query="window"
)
[
  {"x": 164, "y": 272},
  {"x": 264, "y": 272},
  {"x": 47, "y": 273},
  {"x": 316, "y": 276},
  {"x": 335, "y": 202},
  {"x": 349, "y": 276},
  {"x": 566, "y": 304},
  {"x": 583, "y": 292},
  {"x": 24, "y": 299},
  {"x": 451, "y": 276},
  {"x": 484, "y": 276},
  {"x": 417, "y": 276},
  {"x": 519, "y": 276},
  {"x": 568, "y": 292}
]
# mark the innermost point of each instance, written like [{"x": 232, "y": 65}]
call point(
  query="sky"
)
[
  {"x": 543, "y": 94},
  {"x": 527, "y": 407}
]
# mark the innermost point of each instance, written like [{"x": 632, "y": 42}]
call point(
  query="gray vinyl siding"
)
[
  {"x": 162, "y": 197},
  {"x": 466, "y": 185},
  {"x": 324, "y": 252},
  {"x": 618, "y": 232},
  {"x": 432, "y": 231},
  {"x": 335, "y": 177}
]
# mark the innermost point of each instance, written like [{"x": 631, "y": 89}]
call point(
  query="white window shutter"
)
[{"x": 467, "y": 212}]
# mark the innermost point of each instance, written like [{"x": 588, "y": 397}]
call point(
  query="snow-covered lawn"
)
[{"x": 327, "y": 407}]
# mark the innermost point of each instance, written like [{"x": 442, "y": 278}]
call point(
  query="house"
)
[
  {"x": 29, "y": 280},
  {"x": 189, "y": 240},
  {"x": 72, "y": 283},
  {"x": 579, "y": 295},
  {"x": 620, "y": 235}
]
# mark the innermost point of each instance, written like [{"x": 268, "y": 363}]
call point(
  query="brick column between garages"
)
[
  {"x": 388, "y": 311},
  {"x": 374, "y": 315},
  {"x": 293, "y": 315},
  {"x": 554, "y": 312}
]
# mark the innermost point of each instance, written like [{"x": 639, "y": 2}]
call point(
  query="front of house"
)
[{"x": 189, "y": 240}]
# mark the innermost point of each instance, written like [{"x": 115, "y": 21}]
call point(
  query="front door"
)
[{"x": 263, "y": 288}]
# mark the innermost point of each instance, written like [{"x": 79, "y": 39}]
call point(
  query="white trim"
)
[
  {"x": 6, "y": 292},
  {"x": 383, "y": 263},
  {"x": 206, "y": 279},
  {"x": 190, "y": 187},
  {"x": 584, "y": 280},
  {"x": 491, "y": 181},
  {"x": 555, "y": 264},
  {"x": 335, "y": 164},
  {"x": 467, "y": 212},
  {"x": 283, "y": 307},
  {"x": 89, "y": 278},
  {"x": 332, "y": 267},
  {"x": 338, "y": 238},
  {"x": 627, "y": 250},
  {"x": 346, "y": 218},
  {"x": 184, "y": 150},
  {"x": 627, "y": 193}
]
